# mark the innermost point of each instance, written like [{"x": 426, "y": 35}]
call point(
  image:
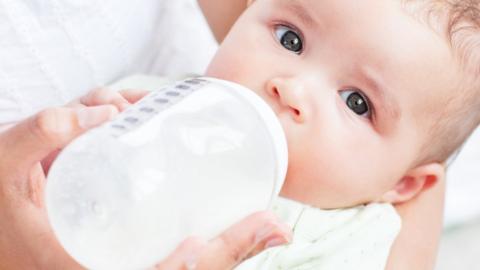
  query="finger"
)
[
  {"x": 76, "y": 104},
  {"x": 102, "y": 96},
  {"x": 133, "y": 95},
  {"x": 254, "y": 234},
  {"x": 35, "y": 138},
  {"x": 184, "y": 256}
]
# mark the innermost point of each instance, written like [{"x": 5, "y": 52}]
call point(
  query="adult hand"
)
[
  {"x": 241, "y": 241},
  {"x": 98, "y": 97},
  {"x": 26, "y": 238}
]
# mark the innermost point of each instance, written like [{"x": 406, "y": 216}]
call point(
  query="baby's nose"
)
[{"x": 289, "y": 94}]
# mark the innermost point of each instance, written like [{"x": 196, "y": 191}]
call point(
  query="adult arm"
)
[
  {"x": 222, "y": 14},
  {"x": 417, "y": 244}
]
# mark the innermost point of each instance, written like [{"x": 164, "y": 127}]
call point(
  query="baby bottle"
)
[{"x": 191, "y": 158}]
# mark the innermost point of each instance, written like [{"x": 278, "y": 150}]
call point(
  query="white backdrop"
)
[{"x": 463, "y": 184}]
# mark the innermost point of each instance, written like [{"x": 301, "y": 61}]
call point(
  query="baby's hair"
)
[{"x": 459, "y": 22}]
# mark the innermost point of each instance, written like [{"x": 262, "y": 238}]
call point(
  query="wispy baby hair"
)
[{"x": 458, "y": 21}]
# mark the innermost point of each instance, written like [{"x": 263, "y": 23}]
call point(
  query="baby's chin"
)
[{"x": 296, "y": 190}]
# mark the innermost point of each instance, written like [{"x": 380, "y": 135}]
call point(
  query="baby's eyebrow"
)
[{"x": 298, "y": 8}]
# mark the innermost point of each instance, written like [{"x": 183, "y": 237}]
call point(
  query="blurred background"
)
[
  {"x": 460, "y": 244},
  {"x": 188, "y": 50}
]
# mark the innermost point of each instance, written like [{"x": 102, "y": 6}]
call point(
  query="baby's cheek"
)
[
  {"x": 323, "y": 183},
  {"x": 223, "y": 68}
]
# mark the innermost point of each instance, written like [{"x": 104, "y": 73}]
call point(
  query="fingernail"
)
[
  {"x": 93, "y": 116},
  {"x": 273, "y": 234},
  {"x": 277, "y": 241},
  {"x": 192, "y": 252},
  {"x": 190, "y": 263},
  {"x": 190, "y": 260}
]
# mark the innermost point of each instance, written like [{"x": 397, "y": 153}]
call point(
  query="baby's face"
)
[{"x": 354, "y": 84}]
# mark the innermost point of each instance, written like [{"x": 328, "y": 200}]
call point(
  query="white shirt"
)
[{"x": 52, "y": 51}]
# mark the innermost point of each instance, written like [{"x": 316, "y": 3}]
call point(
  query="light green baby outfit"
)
[{"x": 355, "y": 238}]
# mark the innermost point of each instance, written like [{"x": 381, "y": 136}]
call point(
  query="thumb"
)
[{"x": 35, "y": 138}]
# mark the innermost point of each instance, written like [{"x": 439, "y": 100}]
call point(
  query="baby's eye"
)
[
  {"x": 356, "y": 102},
  {"x": 289, "y": 38}
]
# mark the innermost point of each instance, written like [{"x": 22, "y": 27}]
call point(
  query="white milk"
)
[{"x": 189, "y": 159}]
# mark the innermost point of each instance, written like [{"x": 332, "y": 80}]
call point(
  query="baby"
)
[{"x": 374, "y": 97}]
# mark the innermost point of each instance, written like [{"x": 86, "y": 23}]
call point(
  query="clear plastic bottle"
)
[{"x": 189, "y": 159}]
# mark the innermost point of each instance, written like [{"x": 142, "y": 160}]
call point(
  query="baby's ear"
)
[{"x": 414, "y": 182}]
